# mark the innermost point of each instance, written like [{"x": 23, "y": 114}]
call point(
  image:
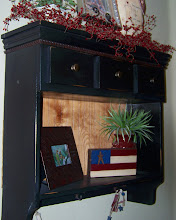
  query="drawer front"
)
[
  {"x": 151, "y": 81},
  {"x": 116, "y": 75},
  {"x": 70, "y": 67}
]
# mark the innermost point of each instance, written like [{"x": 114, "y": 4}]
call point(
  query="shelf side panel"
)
[{"x": 19, "y": 133}]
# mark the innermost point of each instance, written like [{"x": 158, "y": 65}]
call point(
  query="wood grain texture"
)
[{"x": 82, "y": 113}]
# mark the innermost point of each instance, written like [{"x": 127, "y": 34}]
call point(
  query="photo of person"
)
[{"x": 61, "y": 155}]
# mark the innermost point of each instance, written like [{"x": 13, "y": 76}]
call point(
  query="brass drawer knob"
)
[
  {"x": 119, "y": 74},
  {"x": 75, "y": 67}
]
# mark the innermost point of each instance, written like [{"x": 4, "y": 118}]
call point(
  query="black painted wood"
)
[
  {"x": 71, "y": 68},
  {"x": 116, "y": 75},
  {"x": 151, "y": 81},
  {"x": 115, "y": 78},
  {"x": 19, "y": 151},
  {"x": 39, "y": 59},
  {"x": 149, "y": 156},
  {"x": 56, "y": 33},
  {"x": 98, "y": 186}
]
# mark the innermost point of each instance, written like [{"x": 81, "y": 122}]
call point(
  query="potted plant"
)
[{"x": 128, "y": 126}]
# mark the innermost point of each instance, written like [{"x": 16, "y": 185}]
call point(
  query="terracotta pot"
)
[{"x": 123, "y": 144}]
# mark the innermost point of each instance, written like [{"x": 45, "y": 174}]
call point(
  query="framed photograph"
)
[{"x": 59, "y": 156}]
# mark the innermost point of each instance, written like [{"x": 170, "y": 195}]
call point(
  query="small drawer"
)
[
  {"x": 116, "y": 75},
  {"x": 151, "y": 81},
  {"x": 70, "y": 67}
]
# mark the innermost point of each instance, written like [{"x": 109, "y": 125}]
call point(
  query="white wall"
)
[
  {"x": 170, "y": 111},
  {"x": 98, "y": 208}
]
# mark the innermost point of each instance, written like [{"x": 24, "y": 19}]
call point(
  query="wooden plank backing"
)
[{"x": 82, "y": 113}]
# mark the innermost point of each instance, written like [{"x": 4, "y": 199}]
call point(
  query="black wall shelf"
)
[{"x": 34, "y": 70}]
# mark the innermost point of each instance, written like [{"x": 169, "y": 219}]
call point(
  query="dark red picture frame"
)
[{"x": 65, "y": 174}]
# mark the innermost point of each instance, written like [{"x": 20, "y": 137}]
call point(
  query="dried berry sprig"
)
[{"x": 127, "y": 40}]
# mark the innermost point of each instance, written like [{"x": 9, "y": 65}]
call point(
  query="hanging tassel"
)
[{"x": 117, "y": 204}]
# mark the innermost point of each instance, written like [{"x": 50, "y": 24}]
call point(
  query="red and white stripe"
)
[{"x": 122, "y": 163}]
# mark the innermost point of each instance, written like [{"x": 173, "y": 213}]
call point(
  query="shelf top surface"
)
[
  {"x": 88, "y": 184},
  {"x": 79, "y": 38}
]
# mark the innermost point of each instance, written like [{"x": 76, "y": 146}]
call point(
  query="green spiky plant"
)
[
  {"x": 68, "y": 3},
  {"x": 134, "y": 124}
]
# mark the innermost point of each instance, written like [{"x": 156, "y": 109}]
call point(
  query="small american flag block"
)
[{"x": 112, "y": 162}]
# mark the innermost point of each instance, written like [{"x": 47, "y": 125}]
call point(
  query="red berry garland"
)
[{"x": 94, "y": 26}]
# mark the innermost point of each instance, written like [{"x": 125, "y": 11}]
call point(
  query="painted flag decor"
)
[{"x": 112, "y": 162}]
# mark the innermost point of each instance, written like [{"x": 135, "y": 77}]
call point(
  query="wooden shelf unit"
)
[{"x": 41, "y": 89}]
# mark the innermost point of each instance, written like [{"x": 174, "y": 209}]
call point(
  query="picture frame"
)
[
  {"x": 119, "y": 10},
  {"x": 59, "y": 156},
  {"x": 103, "y": 9},
  {"x": 130, "y": 10}
]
